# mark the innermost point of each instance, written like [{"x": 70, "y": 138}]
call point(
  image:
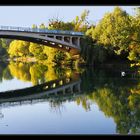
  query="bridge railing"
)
[{"x": 26, "y": 29}]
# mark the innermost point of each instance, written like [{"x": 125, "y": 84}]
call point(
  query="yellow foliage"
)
[
  {"x": 20, "y": 71},
  {"x": 50, "y": 74},
  {"x": 50, "y": 53}
]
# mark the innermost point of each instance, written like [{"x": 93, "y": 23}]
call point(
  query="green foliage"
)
[
  {"x": 116, "y": 97},
  {"x": 137, "y": 12},
  {"x": 6, "y": 74},
  {"x": 34, "y": 26},
  {"x": 80, "y": 22},
  {"x": 114, "y": 31},
  {"x": 3, "y": 67},
  {"x": 118, "y": 33},
  {"x": 4, "y": 44},
  {"x": 18, "y": 48},
  {"x": 20, "y": 71},
  {"x": 59, "y": 56},
  {"x": 56, "y": 24},
  {"x": 42, "y": 26},
  {"x": 37, "y": 72},
  {"x": 134, "y": 47},
  {"x": 90, "y": 31},
  {"x": 37, "y": 51},
  {"x": 92, "y": 52},
  {"x": 60, "y": 72}
]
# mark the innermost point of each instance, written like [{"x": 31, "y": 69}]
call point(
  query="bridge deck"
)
[{"x": 37, "y": 30}]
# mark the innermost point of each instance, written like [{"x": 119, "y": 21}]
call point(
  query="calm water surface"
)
[{"x": 88, "y": 100}]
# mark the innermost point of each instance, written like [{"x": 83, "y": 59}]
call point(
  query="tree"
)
[
  {"x": 80, "y": 22},
  {"x": 134, "y": 47},
  {"x": 57, "y": 24},
  {"x": 114, "y": 31},
  {"x": 42, "y": 26},
  {"x": 90, "y": 31},
  {"x": 137, "y": 12},
  {"x": 34, "y": 26}
]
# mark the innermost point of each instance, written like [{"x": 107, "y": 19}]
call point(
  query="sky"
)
[{"x": 25, "y": 16}]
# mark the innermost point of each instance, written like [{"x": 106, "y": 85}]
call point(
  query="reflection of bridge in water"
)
[{"x": 62, "y": 88}]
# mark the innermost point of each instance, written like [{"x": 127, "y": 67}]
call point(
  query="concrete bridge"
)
[{"x": 63, "y": 40}]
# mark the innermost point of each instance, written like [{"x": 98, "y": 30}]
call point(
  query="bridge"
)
[{"x": 63, "y": 40}]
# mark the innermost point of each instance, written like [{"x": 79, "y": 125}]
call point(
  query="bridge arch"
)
[{"x": 63, "y": 40}]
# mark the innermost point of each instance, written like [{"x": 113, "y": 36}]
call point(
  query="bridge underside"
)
[{"x": 63, "y": 43}]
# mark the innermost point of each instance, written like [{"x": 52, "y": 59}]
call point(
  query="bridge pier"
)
[
  {"x": 78, "y": 41},
  {"x": 63, "y": 39},
  {"x": 79, "y": 88},
  {"x": 71, "y": 88},
  {"x": 71, "y": 40}
]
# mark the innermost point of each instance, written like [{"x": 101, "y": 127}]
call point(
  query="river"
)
[{"x": 89, "y": 100}]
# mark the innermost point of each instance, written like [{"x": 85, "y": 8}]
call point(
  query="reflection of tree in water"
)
[
  {"x": 56, "y": 107},
  {"x": 1, "y": 114},
  {"x": 117, "y": 97},
  {"x": 60, "y": 71},
  {"x": 114, "y": 97},
  {"x": 84, "y": 101},
  {"x": 4, "y": 71},
  {"x": 37, "y": 73},
  {"x": 20, "y": 71},
  {"x": 117, "y": 105}
]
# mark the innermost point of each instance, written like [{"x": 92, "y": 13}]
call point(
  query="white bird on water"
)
[{"x": 123, "y": 74}]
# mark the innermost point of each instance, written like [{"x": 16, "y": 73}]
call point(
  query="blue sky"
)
[{"x": 25, "y": 16}]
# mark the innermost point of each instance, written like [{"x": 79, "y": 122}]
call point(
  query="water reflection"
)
[
  {"x": 35, "y": 73},
  {"x": 117, "y": 97}
]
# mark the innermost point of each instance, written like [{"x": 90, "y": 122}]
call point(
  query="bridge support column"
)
[
  {"x": 54, "y": 36},
  {"x": 71, "y": 88},
  {"x": 78, "y": 41},
  {"x": 63, "y": 38},
  {"x": 55, "y": 93},
  {"x": 64, "y": 92},
  {"x": 70, "y": 40},
  {"x": 79, "y": 88}
]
